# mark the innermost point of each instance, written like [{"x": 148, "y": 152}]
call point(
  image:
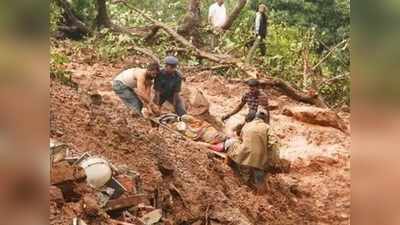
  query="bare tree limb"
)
[
  {"x": 329, "y": 53},
  {"x": 235, "y": 13},
  {"x": 249, "y": 71},
  {"x": 147, "y": 52},
  {"x": 330, "y": 80}
]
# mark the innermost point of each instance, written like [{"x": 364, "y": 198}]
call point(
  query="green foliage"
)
[
  {"x": 58, "y": 62},
  {"x": 295, "y": 27},
  {"x": 55, "y": 16},
  {"x": 85, "y": 10}
]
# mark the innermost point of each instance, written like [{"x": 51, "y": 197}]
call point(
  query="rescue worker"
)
[
  {"x": 167, "y": 86},
  {"x": 133, "y": 87},
  {"x": 253, "y": 98},
  {"x": 249, "y": 155}
]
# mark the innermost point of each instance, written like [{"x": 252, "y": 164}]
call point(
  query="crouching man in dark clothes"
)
[{"x": 167, "y": 86}]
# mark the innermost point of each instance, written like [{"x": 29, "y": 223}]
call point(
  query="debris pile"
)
[
  {"x": 181, "y": 181},
  {"x": 90, "y": 190}
]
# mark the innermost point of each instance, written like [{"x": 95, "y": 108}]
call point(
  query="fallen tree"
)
[{"x": 250, "y": 71}]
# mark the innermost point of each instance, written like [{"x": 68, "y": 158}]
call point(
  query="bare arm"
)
[
  {"x": 236, "y": 110},
  {"x": 156, "y": 99},
  {"x": 143, "y": 91}
]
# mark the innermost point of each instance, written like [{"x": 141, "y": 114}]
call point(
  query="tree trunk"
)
[
  {"x": 253, "y": 50},
  {"x": 191, "y": 22},
  {"x": 72, "y": 23},
  {"x": 102, "y": 18},
  {"x": 306, "y": 69},
  {"x": 235, "y": 13}
]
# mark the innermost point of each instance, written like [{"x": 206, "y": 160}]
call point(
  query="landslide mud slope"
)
[{"x": 316, "y": 191}]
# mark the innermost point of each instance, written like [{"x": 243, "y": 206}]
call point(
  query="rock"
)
[
  {"x": 197, "y": 222},
  {"x": 126, "y": 202},
  {"x": 152, "y": 217},
  {"x": 55, "y": 195},
  {"x": 58, "y": 150},
  {"x": 273, "y": 105},
  {"x": 89, "y": 98},
  {"x": 90, "y": 205},
  {"x": 64, "y": 172},
  {"x": 314, "y": 115}
]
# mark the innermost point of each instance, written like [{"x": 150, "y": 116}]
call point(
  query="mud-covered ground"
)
[{"x": 316, "y": 191}]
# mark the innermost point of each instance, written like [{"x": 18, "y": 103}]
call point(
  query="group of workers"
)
[
  {"x": 217, "y": 18},
  {"x": 147, "y": 89},
  {"x": 250, "y": 151}
]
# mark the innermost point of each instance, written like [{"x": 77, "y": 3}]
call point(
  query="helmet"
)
[{"x": 98, "y": 171}]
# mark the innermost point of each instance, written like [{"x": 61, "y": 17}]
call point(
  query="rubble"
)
[
  {"x": 126, "y": 202},
  {"x": 200, "y": 181},
  {"x": 64, "y": 172},
  {"x": 152, "y": 217},
  {"x": 58, "y": 151},
  {"x": 55, "y": 195},
  {"x": 96, "y": 196}
]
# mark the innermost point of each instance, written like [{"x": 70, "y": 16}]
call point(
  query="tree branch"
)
[
  {"x": 147, "y": 52},
  {"x": 250, "y": 71},
  {"x": 235, "y": 13},
  {"x": 329, "y": 53}
]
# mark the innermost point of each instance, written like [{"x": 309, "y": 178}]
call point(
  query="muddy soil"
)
[{"x": 201, "y": 188}]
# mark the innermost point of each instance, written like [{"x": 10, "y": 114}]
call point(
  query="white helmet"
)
[{"x": 98, "y": 171}]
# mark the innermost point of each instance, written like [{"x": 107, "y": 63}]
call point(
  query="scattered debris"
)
[
  {"x": 77, "y": 221},
  {"x": 64, "y": 172},
  {"x": 152, "y": 217},
  {"x": 126, "y": 202},
  {"x": 56, "y": 195},
  {"x": 58, "y": 151}
]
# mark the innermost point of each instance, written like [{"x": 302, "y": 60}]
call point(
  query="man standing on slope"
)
[{"x": 217, "y": 18}]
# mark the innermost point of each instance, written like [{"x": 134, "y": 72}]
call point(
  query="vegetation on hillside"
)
[{"x": 308, "y": 41}]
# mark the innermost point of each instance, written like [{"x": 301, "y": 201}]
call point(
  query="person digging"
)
[
  {"x": 253, "y": 99},
  {"x": 167, "y": 86},
  {"x": 133, "y": 87}
]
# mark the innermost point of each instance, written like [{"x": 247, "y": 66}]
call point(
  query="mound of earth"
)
[{"x": 191, "y": 186}]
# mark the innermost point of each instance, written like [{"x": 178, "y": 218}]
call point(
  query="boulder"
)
[{"x": 317, "y": 116}]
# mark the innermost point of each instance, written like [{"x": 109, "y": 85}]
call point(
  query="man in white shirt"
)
[
  {"x": 217, "y": 14},
  {"x": 217, "y": 18}
]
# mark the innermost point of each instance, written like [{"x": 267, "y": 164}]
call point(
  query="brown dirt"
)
[{"x": 316, "y": 191}]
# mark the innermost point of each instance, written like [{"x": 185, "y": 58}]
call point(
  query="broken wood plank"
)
[{"x": 126, "y": 202}]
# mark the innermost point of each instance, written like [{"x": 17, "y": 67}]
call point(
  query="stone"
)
[
  {"x": 55, "y": 195},
  {"x": 64, "y": 172},
  {"x": 152, "y": 217},
  {"x": 317, "y": 116},
  {"x": 90, "y": 205},
  {"x": 126, "y": 202}
]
